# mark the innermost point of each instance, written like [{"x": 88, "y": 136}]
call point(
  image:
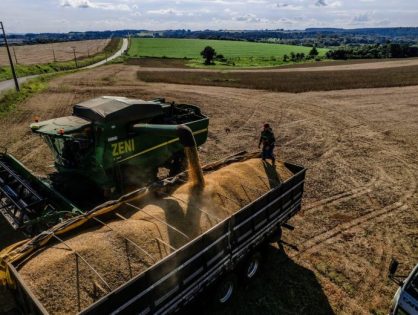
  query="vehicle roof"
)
[
  {"x": 117, "y": 109},
  {"x": 67, "y": 124}
]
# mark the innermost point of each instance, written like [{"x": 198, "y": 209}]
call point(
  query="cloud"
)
[
  {"x": 335, "y": 4},
  {"x": 76, "y": 3},
  {"x": 324, "y": 3},
  {"x": 289, "y": 6},
  {"x": 321, "y": 3},
  {"x": 177, "y": 12},
  {"x": 247, "y": 18},
  {"x": 361, "y": 18},
  {"x": 167, "y": 12},
  {"x": 85, "y": 4}
]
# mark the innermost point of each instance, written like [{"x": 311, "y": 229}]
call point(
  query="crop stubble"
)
[
  {"x": 44, "y": 53},
  {"x": 359, "y": 146}
]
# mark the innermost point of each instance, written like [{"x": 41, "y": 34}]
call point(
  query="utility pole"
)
[
  {"x": 75, "y": 57},
  {"x": 53, "y": 53},
  {"x": 10, "y": 58}
]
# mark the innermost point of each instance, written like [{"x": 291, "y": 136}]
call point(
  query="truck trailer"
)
[{"x": 216, "y": 257}]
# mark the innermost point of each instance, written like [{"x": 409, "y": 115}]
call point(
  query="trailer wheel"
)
[
  {"x": 276, "y": 236},
  {"x": 250, "y": 267},
  {"x": 253, "y": 266},
  {"x": 225, "y": 290}
]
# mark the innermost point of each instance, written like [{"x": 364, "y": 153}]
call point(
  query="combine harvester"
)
[
  {"x": 155, "y": 249},
  {"x": 108, "y": 146}
]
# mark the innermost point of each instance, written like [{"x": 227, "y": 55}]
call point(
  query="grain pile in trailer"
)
[{"x": 151, "y": 230}]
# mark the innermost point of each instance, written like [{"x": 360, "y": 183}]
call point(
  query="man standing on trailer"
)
[{"x": 268, "y": 140}]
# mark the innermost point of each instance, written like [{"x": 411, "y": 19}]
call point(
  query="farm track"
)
[{"x": 361, "y": 186}]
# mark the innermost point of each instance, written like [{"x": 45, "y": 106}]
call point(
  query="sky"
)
[{"x": 23, "y": 16}]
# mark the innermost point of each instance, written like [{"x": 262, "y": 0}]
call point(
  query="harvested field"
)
[
  {"x": 292, "y": 80},
  {"x": 190, "y": 209},
  {"x": 44, "y": 53},
  {"x": 361, "y": 203}
]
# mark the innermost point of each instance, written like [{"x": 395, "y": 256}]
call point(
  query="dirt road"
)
[{"x": 361, "y": 201}]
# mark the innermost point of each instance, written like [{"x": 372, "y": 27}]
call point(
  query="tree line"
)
[{"x": 389, "y": 50}]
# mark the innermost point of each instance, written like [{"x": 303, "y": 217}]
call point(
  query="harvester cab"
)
[
  {"x": 107, "y": 147},
  {"x": 70, "y": 139},
  {"x": 107, "y": 141}
]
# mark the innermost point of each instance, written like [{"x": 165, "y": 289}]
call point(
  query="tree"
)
[
  {"x": 314, "y": 52},
  {"x": 208, "y": 53},
  {"x": 285, "y": 58},
  {"x": 293, "y": 56}
]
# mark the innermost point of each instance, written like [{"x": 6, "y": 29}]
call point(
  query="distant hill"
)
[
  {"x": 324, "y": 29},
  {"x": 391, "y": 31},
  {"x": 322, "y": 37}
]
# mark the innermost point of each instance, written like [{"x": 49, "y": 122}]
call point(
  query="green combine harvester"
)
[{"x": 108, "y": 147}]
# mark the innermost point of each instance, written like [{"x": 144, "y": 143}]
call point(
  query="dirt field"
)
[
  {"x": 361, "y": 203},
  {"x": 44, "y": 53},
  {"x": 291, "y": 81}
]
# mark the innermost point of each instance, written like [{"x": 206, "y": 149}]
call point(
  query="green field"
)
[{"x": 237, "y": 53}]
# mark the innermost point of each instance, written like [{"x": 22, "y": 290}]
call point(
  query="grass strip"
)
[{"x": 11, "y": 98}]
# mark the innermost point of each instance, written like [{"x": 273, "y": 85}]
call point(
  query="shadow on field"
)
[{"x": 281, "y": 287}]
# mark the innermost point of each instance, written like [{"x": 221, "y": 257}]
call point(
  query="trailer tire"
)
[
  {"x": 225, "y": 289},
  {"x": 251, "y": 267},
  {"x": 276, "y": 236}
]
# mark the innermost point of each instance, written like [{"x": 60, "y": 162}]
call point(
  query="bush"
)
[{"x": 220, "y": 58}]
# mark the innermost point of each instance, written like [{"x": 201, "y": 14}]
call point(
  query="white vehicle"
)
[{"x": 405, "y": 301}]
